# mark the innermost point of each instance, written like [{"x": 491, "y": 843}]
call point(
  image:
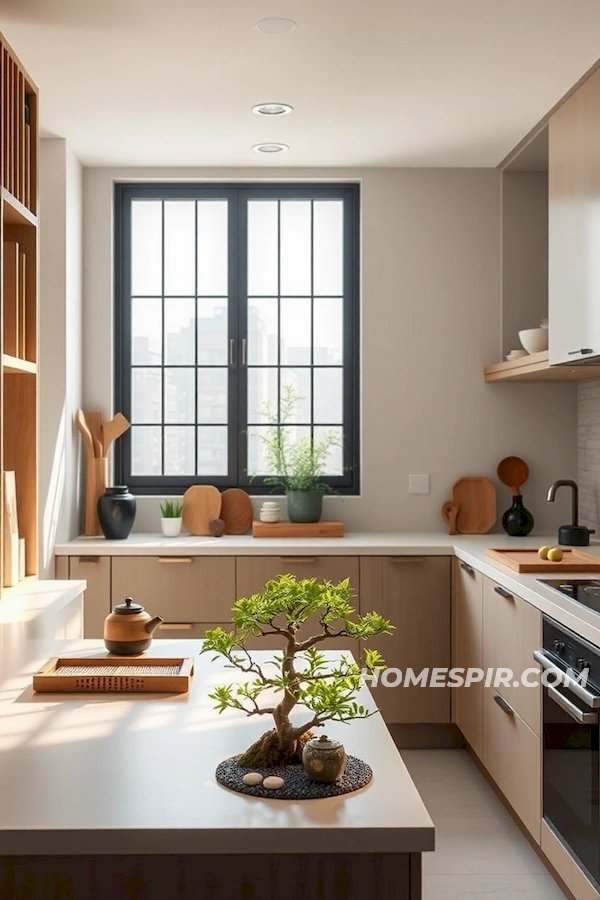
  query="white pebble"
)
[
  {"x": 273, "y": 783},
  {"x": 252, "y": 778}
]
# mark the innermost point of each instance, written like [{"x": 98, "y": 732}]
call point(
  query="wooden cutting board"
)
[
  {"x": 236, "y": 511},
  {"x": 201, "y": 503},
  {"x": 574, "y": 560},
  {"x": 297, "y": 529},
  {"x": 476, "y": 500}
]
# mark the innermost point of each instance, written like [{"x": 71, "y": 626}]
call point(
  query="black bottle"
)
[{"x": 517, "y": 521}]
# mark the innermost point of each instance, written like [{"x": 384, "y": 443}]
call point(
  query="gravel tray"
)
[{"x": 298, "y": 785}]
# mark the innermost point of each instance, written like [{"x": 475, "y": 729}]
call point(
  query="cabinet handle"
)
[
  {"x": 504, "y": 706},
  {"x": 298, "y": 559},
  {"x": 177, "y": 560},
  {"x": 243, "y": 351},
  {"x": 467, "y": 569},
  {"x": 89, "y": 559},
  {"x": 231, "y": 346},
  {"x": 504, "y": 593},
  {"x": 584, "y": 351},
  {"x": 399, "y": 560},
  {"x": 176, "y": 626}
]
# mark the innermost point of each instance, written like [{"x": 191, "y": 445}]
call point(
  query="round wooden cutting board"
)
[
  {"x": 201, "y": 503},
  {"x": 236, "y": 511},
  {"x": 476, "y": 501}
]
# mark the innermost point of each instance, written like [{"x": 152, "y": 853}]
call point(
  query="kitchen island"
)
[{"x": 113, "y": 797}]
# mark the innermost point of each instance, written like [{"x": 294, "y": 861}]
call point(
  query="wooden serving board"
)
[
  {"x": 201, "y": 503},
  {"x": 574, "y": 560},
  {"x": 236, "y": 511},
  {"x": 115, "y": 674},
  {"x": 297, "y": 529},
  {"x": 476, "y": 500}
]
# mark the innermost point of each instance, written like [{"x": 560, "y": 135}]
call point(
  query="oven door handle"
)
[
  {"x": 584, "y": 718},
  {"x": 591, "y": 700}
]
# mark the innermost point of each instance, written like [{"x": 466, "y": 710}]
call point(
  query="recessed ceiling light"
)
[
  {"x": 275, "y": 26},
  {"x": 272, "y": 109},
  {"x": 270, "y": 148}
]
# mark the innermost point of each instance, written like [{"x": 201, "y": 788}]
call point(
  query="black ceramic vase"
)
[
  {"x": 116, "y": 512},
  {"x": 517, "y": 521}
]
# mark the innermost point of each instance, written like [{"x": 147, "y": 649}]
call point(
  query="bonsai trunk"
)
[{"x": 275, "y": 748}]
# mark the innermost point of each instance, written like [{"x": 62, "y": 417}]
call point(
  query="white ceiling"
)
[{"x": 379, "y": 83}]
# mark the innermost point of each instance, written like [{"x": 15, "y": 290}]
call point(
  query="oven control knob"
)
[
  {"x": 559, "y": 646},
  {"x": 582, "y": 663}
]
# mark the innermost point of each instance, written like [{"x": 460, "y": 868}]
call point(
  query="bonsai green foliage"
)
[
  {"x": 300, "y": 674},
  {"x": 171, "y": 509},
  {"x": 298, "y": 466}
]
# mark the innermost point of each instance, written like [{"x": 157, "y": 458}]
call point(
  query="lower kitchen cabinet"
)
[
  {"x": 252, "y": 573},
  {"x": 96, "y": 599},
  {"x": 181, "y": 589},
  {"x": 414, "y": 593},
  {"x": 512, "y": 630},
  {"x": 512, "y": 756},
  {"x": 467, "y": 650}
]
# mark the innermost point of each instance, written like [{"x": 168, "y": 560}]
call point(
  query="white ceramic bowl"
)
[
  {"x": 534, "y": 339},
  {"x": 516, "y": 354}
]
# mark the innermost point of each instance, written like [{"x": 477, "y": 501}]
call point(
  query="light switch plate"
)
[{"x": 418, "y": 484}]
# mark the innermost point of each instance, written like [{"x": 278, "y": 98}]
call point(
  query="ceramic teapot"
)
[{"x": 128, "y": 628}]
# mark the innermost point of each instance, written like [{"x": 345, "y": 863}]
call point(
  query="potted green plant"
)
[
  {"x": 300, "y": 675},
  {"x": 298, "y": 466},
  {"x": 171, "y": 515}
]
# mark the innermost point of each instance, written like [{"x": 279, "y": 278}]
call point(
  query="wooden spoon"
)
[
  {"x": 85, "y": 431},
  {"x": 514, "y": 472},
  {"x": 450, "y": 512},
  {"x": 94, "y": 422},
  {"x": 112, "y": 430}
]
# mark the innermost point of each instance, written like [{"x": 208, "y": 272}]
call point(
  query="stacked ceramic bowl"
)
[
  {"x": 269, "y": 511},
  {"x": 535, "y": 340},
  {"x": 516, "y": 354}
]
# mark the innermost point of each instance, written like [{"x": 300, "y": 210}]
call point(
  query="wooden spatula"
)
[
  {"x": 85, "y": 431},
  {"x": 112, "y": 430},
  {"x": 93, "y": 417}
]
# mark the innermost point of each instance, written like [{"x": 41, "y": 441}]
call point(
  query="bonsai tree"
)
[{"x": 299, "y": 676}]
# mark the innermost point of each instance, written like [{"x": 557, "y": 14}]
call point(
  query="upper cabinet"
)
[
  {"x": 18, "y": 319},
  {"x": 574, "y": 226}
]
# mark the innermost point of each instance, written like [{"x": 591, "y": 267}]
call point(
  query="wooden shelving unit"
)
[
  {"x": 19, "y": 153},
  {"x": 535, "y": 367}
]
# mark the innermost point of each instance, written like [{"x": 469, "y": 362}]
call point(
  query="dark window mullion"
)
[
  {"x": 312, "y": 320},
  {"x": 278, "y": 411},
  {"x": 163, "y": 344},
  {"x": 196, "y": 360}
]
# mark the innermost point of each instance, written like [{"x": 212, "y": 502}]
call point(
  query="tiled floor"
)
[{"x": 481, "y": 852}]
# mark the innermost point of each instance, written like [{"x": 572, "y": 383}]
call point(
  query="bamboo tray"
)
[
  {"x": 297, "y": 529},
  {"x": 115, "y": 674},
  {"x": 574, "y": 560}
]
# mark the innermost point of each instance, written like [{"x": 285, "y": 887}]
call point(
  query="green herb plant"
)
[
  {"x": 303, "y": 614},
  {"x": 296, "y": 465},
  {"x": 171, "y": 509}
]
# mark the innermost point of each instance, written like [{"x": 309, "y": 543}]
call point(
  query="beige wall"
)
[
  {"x": 588, "y": 454},
  {"x": 60, "y": 344},
  {"x": 431, "y": 319}
]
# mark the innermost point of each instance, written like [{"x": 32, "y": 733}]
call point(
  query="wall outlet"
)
[{"x": 418, "y": 484}]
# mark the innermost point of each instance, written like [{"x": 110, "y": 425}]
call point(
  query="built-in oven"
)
[{"x": 571, "y": 772}]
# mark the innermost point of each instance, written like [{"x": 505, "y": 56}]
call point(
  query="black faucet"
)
[{"x": 574, "y": 535}]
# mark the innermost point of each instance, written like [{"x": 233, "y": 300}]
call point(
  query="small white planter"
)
[{"x": 171, "y": 527}]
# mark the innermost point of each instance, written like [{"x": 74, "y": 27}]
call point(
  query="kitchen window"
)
[{"x": 226, "y": 297}]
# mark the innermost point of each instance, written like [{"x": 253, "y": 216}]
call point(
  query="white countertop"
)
[{"x": 123, "y": 774}]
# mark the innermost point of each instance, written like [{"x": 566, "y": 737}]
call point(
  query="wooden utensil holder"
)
[{"x": 96, "y": 484}]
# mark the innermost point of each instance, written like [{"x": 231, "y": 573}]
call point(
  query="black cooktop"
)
[{"x": 583, "y": 590}]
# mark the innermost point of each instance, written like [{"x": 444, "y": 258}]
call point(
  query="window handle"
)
[
  {"x": 231, "y": 350},
  {"x": 243, "y": 351}
]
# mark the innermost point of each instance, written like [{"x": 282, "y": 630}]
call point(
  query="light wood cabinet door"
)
[
  {"x": 512, "y": 630},
  {"x": 573, "y": 261},
  {"x": 96, "y": 599},
  {"x": 414, "y": 593},
  {"x": 187, "y": 589},
  {"x": 467, "y": 650},
  {"x": 512, "y": 756},
  {"x": 252, "y": 573}
]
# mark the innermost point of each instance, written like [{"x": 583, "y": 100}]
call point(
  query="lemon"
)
[
  {"x": 555, "y": 554},
  {"x": 543, "y": 552}
]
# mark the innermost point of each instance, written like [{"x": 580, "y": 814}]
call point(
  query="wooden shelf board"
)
[
  {"x": 14, "y": 364},
  {"x": 14, "y": 213},
  {"x": 535, "y": 367}
]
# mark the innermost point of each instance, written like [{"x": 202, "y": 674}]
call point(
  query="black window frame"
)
[{"x": 236, "y": 193}]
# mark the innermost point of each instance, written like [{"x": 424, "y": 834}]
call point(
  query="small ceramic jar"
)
[
  {"x": 324, "y": 759},
  {"x": 269, "y": 511}
]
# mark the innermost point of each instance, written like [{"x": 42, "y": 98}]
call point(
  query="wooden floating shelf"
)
[
  {"x": 535, "y": 367},
  {"x": 14, "y": 364},
  {"x": 14, "y": 212}
]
